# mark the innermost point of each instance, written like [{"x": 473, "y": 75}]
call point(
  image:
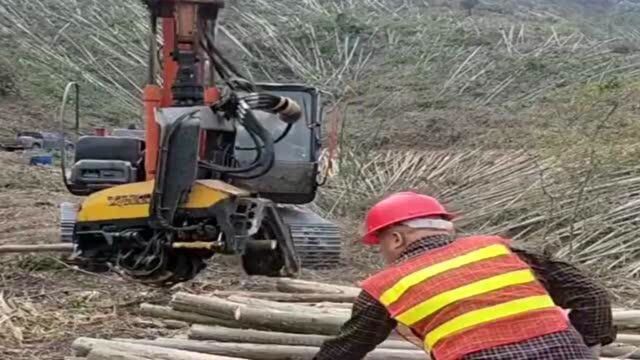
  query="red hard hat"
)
[{"x": 400, "y": 207}]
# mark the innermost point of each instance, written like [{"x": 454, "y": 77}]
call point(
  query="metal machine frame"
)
[{"x": 187, "y": 196}]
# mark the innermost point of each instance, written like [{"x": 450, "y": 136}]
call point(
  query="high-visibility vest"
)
[{"x": 471, "y": 295}]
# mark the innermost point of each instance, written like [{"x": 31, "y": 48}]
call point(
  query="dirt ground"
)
[{"x": 45, "y": 303}]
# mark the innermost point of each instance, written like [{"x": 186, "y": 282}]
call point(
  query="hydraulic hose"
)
[
  {"x": 288, "y": 110},
  {"x": 265, "y": 158}
]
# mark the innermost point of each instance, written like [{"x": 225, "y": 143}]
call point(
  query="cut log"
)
[
  {"x": 175, "y": 324},
  {"x": 328, "y": 305},
  {"x": 628, "y": 339},
  {"x": 222, "y": 334},
  {"x": 285, "y": 297},
  {"x": 260, "y": 318},
  {"x": 284, "y": 352},
  {"x": 282, "y": 306},
  {"x": 164, "y": 312},
  {"x": 84, "y": 346},
  {"x": 269, "y": 351},
  {"x": 65, "y": 247},
  {"x": 628, "y": 319},
  {"x": 107, "y": 353},
  {"x": 621, "y": 351},
  {"x": 304, "y": 286},
  {"x": 206, "y": 305}
]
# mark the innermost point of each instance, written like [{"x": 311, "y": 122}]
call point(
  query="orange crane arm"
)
[{"x": 182, "y": 28}]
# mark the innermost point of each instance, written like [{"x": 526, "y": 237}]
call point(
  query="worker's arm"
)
[
  {"x": 369, "y": 325},
  {"x": 572, "y": 289}
]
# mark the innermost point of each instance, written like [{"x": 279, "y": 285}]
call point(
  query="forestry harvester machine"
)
[{"x": 225, "y": 166}]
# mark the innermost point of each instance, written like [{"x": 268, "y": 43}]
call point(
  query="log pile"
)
[{"x": 290, "y": 323}]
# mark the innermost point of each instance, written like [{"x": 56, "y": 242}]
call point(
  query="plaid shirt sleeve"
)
[
  {"x": 573, "y": 289},
  {"x": 370, "y": 324}
]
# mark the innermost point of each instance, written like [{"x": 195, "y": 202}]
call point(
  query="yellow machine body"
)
[{"x": 131, "y": 201}]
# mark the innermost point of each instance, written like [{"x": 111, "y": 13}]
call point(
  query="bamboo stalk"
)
[
  {"x": 307, "y": 323},
  {"x": 286, "y": 297},
  {"x": 217, "y": 333},
  {"x": 5, "y": 249},
  {"x": 84, "y": 346},
  {"x": 269, "y": 351},
  {"x": 164, "y": 312}
]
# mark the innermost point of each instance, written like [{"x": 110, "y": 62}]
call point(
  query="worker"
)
[{"x": 471, "y": 298}]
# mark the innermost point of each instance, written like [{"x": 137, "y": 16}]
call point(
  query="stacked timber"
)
[{"x": 290, "y": 323}]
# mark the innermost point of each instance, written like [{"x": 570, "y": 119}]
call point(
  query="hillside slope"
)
[{"x": 406, "y": 73}]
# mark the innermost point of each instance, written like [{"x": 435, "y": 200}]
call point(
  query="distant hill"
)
[{"x": 407, "y": 73}]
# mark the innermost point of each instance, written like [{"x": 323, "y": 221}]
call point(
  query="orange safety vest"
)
[{"x": 471, "y": 295}]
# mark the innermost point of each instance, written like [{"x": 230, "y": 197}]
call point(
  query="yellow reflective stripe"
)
[
  {"x": 436, "y": 303},
  {"x": 487, "y": 314},
  {"x": 396, "y": 291}
]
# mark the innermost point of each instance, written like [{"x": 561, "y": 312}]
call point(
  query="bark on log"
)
[
  {"x": 282, "y": 306},
  {"x": 626, "y": 351},
  {"x": 164, "y": 312},
  {"x": 84, "y": 346},
  {"x": 286, "y": 297},
  {"x": 222, "y": 334},
  {"x": 304, "y": 286},
  {"x": 628, "y": 319},
  {"x": 306, "y": 323},
  {"x": 106, "y": 353},
  {"x": 628, "y": 339},
  {"x": 36, "y": 248},
  {"x": 328, "y": 305},
  {"x": 269, "y": 351},
  {"x": 175, "y": 324}
]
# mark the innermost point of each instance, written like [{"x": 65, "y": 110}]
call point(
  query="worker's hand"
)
[{"x": 595, "y": 350}]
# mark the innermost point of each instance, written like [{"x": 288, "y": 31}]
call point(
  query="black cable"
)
[
  {"x": 220, "y": 70},
  {"x": 257, "y": 159},
  {"x": 269, "y": 103},
  {"x": 284, "y": 133},
  {"x": 266, "y": 160}
]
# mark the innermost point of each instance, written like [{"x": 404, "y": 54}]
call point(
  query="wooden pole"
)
[
  {"x": 222, "y": 334},
  {"x": 627, "y": 319},
  {"x": 282, "y": 306},
  {"x": 84, "y": 346},
  {"x": 306, "y": 323},
  {"x": 164, "y": 312},
  {"x": 621, "y": 351},
  {"x": 628, "y": 339},
  {"x": 269, "y": 351},
  {"x": 106, "y": 353},
  {"x": 285, "y": 297},
  {"x": 304, "y": 286},
  {"x": 5, "y": 249}
]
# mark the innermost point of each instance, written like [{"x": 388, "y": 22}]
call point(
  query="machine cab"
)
[
  {"x": 105, "y": 161},
  {"x": 293, "y": 177}
]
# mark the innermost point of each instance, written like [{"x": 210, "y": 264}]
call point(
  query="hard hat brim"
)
[{"x": 370, "y": 239}]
